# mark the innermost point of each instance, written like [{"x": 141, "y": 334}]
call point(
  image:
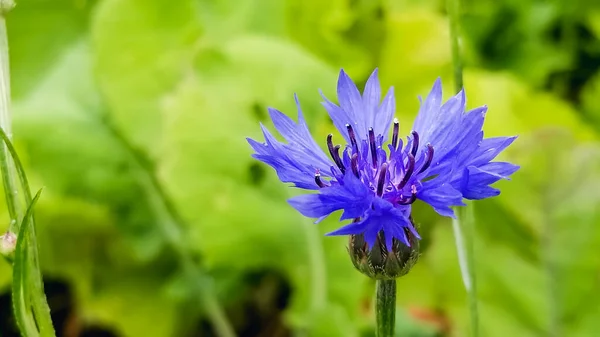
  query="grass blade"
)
[
  {"x": 21, "y": 289},
  {"x": 28, "y": 272},
  {"x": 19, "y": 167}
]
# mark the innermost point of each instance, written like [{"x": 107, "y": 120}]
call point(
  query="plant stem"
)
[
  {"x": 464, "y": 224},
  {"x": 7, "y": 165},
  {"x": 386, "y": 308},
  {"x": 464, "y": 232},
  {"x": 453, "y": 8},
  {"x": 316, "y": 261},
  {"x": 171, "y": 223}
]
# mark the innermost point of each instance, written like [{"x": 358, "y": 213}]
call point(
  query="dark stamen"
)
[
  {"x": 352, "y": 138},
  {"x": 381, "y": 181},
  {"x": 354, "y": 164},
  {"x": 330, "y": 144},
  {"x": 395, "y": 134},
  {"x": 413, "y": 197},
  {"x": 409, "y": 171},
  {"x": 373, "y": 147},
  {"x": 334, "y": 152},
  {"x": 338, "y": 159},
  {"x": 408, "y": 201},
  {"x": 318, "y": 179},
  {"x": 429, "y": 158},
  {"x": 415, "y": 144}
]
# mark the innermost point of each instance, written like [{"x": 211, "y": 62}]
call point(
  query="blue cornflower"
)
[{"x": 444, "y": 159}]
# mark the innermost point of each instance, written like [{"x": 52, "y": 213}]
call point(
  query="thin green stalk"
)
[
  {"x": 453, "y": 8},
  {"x": 171, "y": 223},
  {"x": 464, "y": 224},
  {"x": 464, "y": 231},
  {"x": 316, "y": 261},
  {"x": 7, "y": 165},
  {"x": 386, "y": 307}
]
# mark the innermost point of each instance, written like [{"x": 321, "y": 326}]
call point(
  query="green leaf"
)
[
  {"x": 556, "y": 196},
  {"x": 34, "y": 51},
  {"x": 30, "y": 308},
  {"x": 590, "y": 100},
  {"x": 142, "y": 50},
  {"x": 514, "y": 35},
  {"x": 80, "y": 159},
  {"x": 27, "y": 269},
  {"x": 18, "y": 166},
  {"x": 410, "y": 63},
  {"x": 508, "y": 99}
]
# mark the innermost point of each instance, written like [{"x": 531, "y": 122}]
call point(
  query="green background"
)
[{"x": 186, "y": 81}]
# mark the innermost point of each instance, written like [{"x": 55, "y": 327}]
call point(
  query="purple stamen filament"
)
[
  {"x": 409, "y": 171},
  {"x": 373, "y": 147},
  {"x": 334, "y": 152},
  {"x": 429, "y": 158},
  {"x": 395, "y": 134},
  {"x": 413, "y": 196},
  {"x": 352, "y": 138},
  {"x": 318, "y": 179},
  {"x": 354, "y": 164},
  {"x": 415, "y": 144},
  {"x": 381, "y": 180}
]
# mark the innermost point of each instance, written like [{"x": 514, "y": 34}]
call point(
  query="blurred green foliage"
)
[{"x": 186, "y": 81}]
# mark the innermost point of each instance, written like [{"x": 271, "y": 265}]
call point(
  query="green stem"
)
[
  {"x": 171, "y": 223},
  {"x": 7, "y": 165},
  {"x": 386, "y": 308},
  {"x": 464, "y": 232},
  {"x": 464, "y": 224},
  {"x": 316, "y": 261},
  {"x": 453, "y": 8}
]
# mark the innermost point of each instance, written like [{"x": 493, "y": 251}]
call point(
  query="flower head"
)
[{"x": 374, "y": 182}]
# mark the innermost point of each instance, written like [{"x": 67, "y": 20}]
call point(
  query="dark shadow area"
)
[
  {"x": 64, "y": 315},
  {"x": 260, "y": 312}
]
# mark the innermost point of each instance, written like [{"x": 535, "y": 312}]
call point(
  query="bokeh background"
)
[{"x": 133, "y": 115}]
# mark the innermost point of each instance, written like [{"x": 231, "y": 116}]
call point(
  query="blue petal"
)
[
  {"x": 385, "y": 115},
  {"x": 489, "y": 149},
  {"x": 310, "y": 205},
  {"x": 371, "y": 97},
  {"x": 475, "y": 184},
  {"x": 501, "y": 169},
  {"x": 353, "y": 228},
  {"x": 339, "y": 116},
  {"x": 351, "y": 101},
  {"x": 472, "y": 136},
  {"x": 476, "y": 180},
  {"x": 361, "y": 112},
  {"x": 299, "y": 160},
  {"x": 381, "y": 216},
  {"x": 444, "y": 129},
  {"x": 440, "y": 197},
  {"x": 371, "y": 233},
  {"x": 351, "y": 195},
  {"x": 429, "y": 108},
  {"x": 379, "y": 117}
]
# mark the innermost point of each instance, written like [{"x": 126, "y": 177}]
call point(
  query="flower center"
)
[{"x": 389, "y": 178}]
